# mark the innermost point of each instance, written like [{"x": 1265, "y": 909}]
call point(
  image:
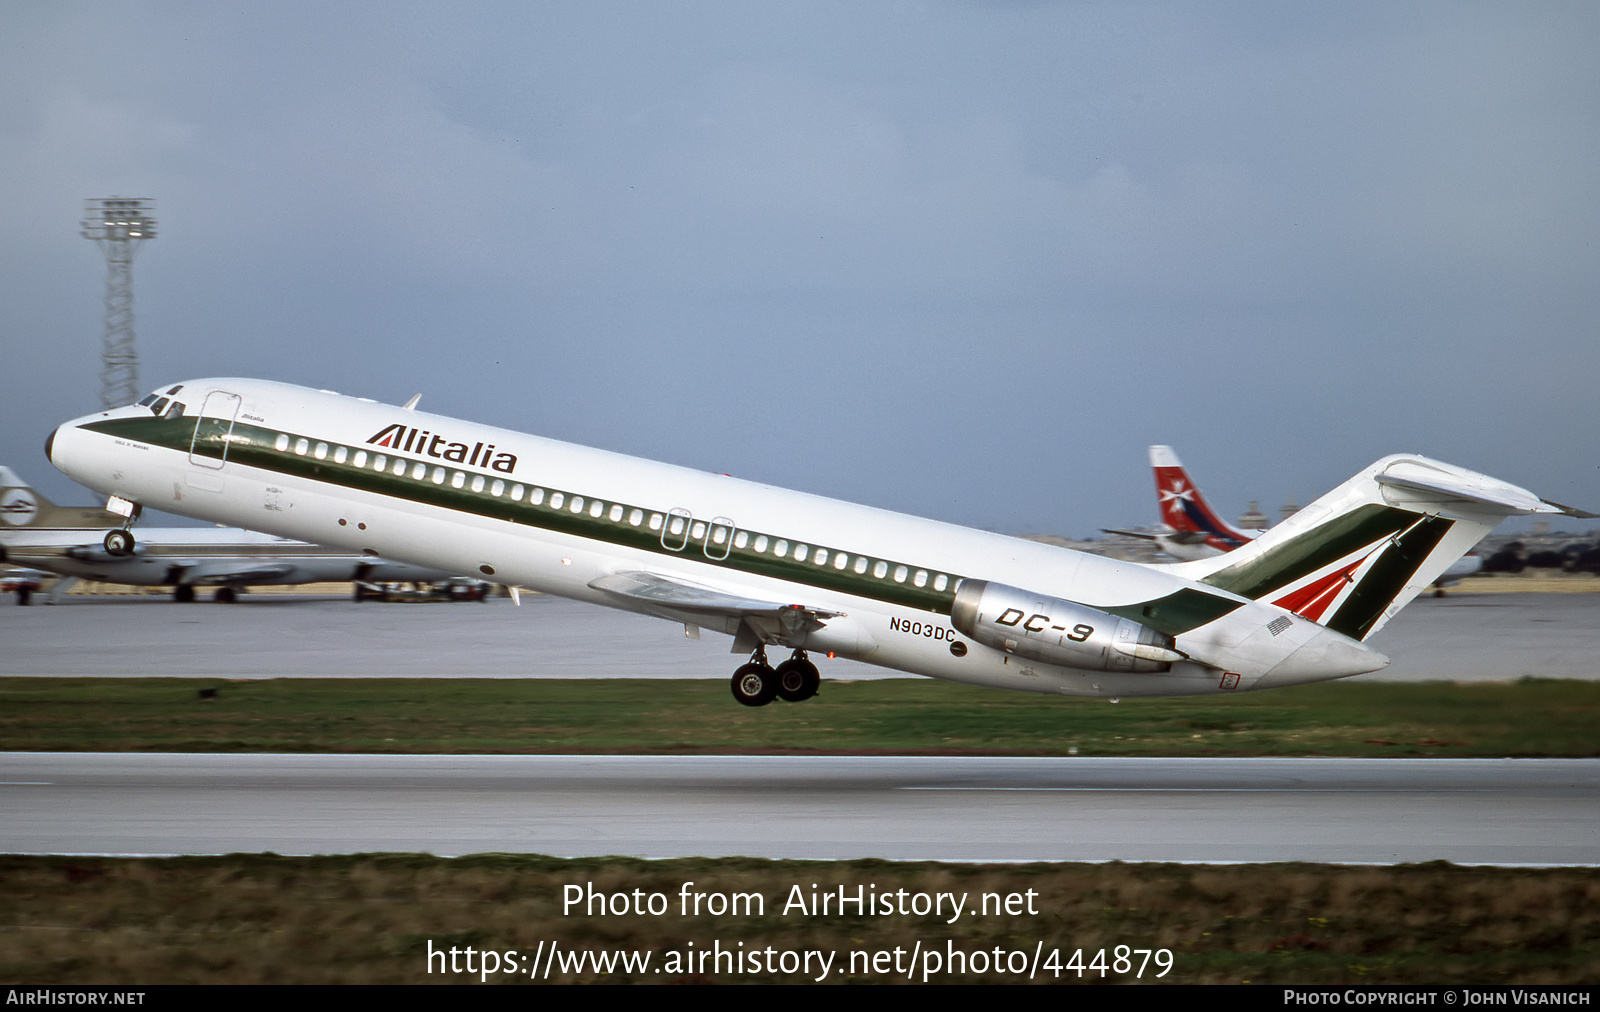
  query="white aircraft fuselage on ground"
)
[
  {"x": 773, "y": 567},
  {"x": 72, "y": 542}
]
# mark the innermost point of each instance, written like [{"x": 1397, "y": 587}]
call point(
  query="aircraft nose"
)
[{"x": 62, "y": 445}]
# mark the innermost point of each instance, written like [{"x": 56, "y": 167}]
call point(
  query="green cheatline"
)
[{"x": 691, "y": 716}]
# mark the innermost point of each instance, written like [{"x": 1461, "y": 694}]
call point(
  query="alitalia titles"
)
[{"x": 409, "y": 440}]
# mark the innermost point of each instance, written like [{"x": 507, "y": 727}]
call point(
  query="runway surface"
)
[
  {"x": 1508, "y": 812},
  {"x": 1466, "y": 638}
]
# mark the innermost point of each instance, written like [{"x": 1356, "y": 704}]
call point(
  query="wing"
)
[
  {"x": 749, "y": 620},
  {"x": 210, "y": 574}
]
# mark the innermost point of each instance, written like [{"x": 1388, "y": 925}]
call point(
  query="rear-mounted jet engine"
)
[{"x": 1058, "y": 632}]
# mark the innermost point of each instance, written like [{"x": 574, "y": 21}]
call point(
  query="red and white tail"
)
[{"x": 1185, "y": 511}]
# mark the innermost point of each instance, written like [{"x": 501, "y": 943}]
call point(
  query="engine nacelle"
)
[{"x": 1060, "y": 632}]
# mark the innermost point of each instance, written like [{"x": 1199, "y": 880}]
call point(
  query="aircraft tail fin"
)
[
  {"x": 1184, "y": 509},
  {"x": 22, "y": 506},
  {"x": 1359, "y": 554}
]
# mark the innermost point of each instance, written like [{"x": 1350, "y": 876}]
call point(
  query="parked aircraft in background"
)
[
  {"x": 1196, "y": 531},
  {"x": 780, "y": 569},
  {"x": 89, "y": 543}
]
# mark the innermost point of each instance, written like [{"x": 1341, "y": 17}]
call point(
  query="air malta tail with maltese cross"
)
[
  {"x": 1193, "y": 529},
  {"x": 1185, "y": 511}
]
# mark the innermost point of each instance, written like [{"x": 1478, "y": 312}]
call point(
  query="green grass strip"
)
[{"x": 1531, "y": 717}]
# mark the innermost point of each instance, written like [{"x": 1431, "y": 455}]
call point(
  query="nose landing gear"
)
[{"x": 757, "y": 684}]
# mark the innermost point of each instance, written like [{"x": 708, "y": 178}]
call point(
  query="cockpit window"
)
[
  {"x": 174, "y": 389},
  {"x": 176, "y": 411},
  {"x": 159, "y": 406},
  {"x": 149, "y": 399}
]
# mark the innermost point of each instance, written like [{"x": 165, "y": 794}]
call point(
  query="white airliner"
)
[
  {"x": 1196, "y": 531},
  {"x": 89, "y": 543},
  {"x": 774, "y": 568}
]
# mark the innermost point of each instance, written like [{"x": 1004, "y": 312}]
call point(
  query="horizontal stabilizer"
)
[
  {"x": 1415, "y": 480},
  {"x": 1131, "y": 534}
]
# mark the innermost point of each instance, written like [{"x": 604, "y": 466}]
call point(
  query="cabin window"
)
[
  {"x": 761, "y": 543},
  {"x": 861, "y": 564},
  {"x": 821, "y": 556},
  {"x": 940, "y": 582},
  {"x": 301, "y": 445},
  {"x": 636, "y": 517},
  {"x": 616, "y": 513},
  {"x": 800, "y": 552},
  {"x": 400, "y": 467},
  {"x": 477, "y": 483},
  {"x": 281, "y": 443},
  {"x": 516, "y": 493},
  {"x": 741, "y": 539},
  {"x": 438, "y": 476},
  {"x": 419, "y": 470},
  {"x": 536, "y": 496},
  {"x": 556, "y": 499},
  {"x": 841, "y": 560},
  {"x": 676, "y": 527},
  {"x": 360, "y": 459},
  {"x": 698, "y": 532},
  {"x": 781, "y": 548},
  {"x": 880, "y": 569},
  {"x": 921, "y": 579},
  {"x": 900, "y": 574},
  {"x": 321, "y": 452},
  {"x": 457, "y": 480},
  {"x": 655, "y": 521},
  {"x": 596, "y": 508},
  {"x": 497, "y": 488},
  {"x": 340, "y": 454},
  {"x": 577, "y": 504},
  {"x": 719, "y": 535}
]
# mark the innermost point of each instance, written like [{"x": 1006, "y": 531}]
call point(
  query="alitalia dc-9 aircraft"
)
[{"x": 786, "y": 570}]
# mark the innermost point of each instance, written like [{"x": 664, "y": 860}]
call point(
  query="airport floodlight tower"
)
[{"x": 119, "y": 225}]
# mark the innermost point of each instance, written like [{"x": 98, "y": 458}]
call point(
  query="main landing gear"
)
[
  {"x": 757, "y": 683},
  {"x": 119, "y": 543}
]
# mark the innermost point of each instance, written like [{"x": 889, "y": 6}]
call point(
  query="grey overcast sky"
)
[{"x": 958, "y": 259}]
